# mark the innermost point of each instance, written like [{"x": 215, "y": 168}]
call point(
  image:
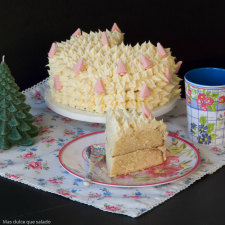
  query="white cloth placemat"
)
[{"x": 38, "y": 165}]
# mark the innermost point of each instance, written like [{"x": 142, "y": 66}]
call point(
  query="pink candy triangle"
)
[
  {"x": 161, "y": 50},
  {"x": 178, "y": 66},
  {"x": 168, "y": 74},
  {"x": 105, "y": 40},
  {"x": 57, "y": 84},
  {"x": 144, "y": 93},
  {"x": 52, "y": 50},
  {"x": 77, "y": 32},
  {"x": 79, "y": 67},
  {"x": 115, "y": 27},
  {"x": 146, "y": 111},
  {"x": 99, "y": 88},
  {"x": 146, "y": 63},
  {"x": 121, "y": 69}
]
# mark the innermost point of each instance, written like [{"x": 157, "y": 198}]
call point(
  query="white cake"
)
[{"x": 101, "y": 61}]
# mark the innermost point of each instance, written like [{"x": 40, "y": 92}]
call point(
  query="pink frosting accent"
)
[
  {"x": 115, "y": 27},
  {"x": 146, "y": 111},
  {"x": 105, "y": 40},
  {"x": 52, "y": 50},
  {"x": 99, "y": 88},
  {"x": 121, "y": 69},
  {"x": 79, "y": 67},
  {"x": 57, "y": 84},
  {"x": 146, "y": 63},
  {"x": 77, "y": 32},
  {"x": 168, "y": 74},
  {"x": 178, "y": 66},
  {"x": 144, "y": 93},
  {"x": 161, "y": 50}
]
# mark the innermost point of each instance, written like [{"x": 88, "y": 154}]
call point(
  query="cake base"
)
[{"x": 132, "y": 162}]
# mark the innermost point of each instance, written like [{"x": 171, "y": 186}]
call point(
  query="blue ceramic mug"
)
[{"x": 205, "y": 99}]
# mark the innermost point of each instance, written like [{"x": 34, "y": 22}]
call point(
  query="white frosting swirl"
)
[{"x": 101, "y": 61}]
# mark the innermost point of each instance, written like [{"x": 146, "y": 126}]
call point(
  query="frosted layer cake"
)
[{"x": 97, "y": 71}]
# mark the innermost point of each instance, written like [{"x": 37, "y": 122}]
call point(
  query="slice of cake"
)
[{"x": 133, "y": 141}]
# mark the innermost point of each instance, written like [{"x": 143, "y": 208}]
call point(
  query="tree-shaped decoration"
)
[{"x": 15, "y": 120}]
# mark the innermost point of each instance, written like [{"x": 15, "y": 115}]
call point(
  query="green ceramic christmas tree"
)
[{"x": 15, "y": 120}]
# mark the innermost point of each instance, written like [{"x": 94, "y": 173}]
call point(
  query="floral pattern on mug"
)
[
  {"x": 222, "y": 99},
  {"x": 188, "y": 100},
  {"x": 205, "y": 131},
  {"x": 207, "y": 101},
  {"x": 189, "y": 91}
]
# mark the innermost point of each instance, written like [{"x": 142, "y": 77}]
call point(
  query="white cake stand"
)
[{"x": 83, "y": 115}]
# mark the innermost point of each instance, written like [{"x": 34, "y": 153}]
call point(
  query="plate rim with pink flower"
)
[{"x": 182, "y": 159}]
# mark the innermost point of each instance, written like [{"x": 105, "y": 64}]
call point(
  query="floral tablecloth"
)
[{"x": 38, "y": 165}]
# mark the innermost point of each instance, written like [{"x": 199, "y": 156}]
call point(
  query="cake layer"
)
[
  {"x": 127, "y": 132},
  {"x": 138, "y": 139},
  {"x": 132, "y": 162}
]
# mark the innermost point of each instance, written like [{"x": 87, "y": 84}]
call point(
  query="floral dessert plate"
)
[
  {"x": 182, "y": 159},
  {"x": 83, "y": 115}
]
